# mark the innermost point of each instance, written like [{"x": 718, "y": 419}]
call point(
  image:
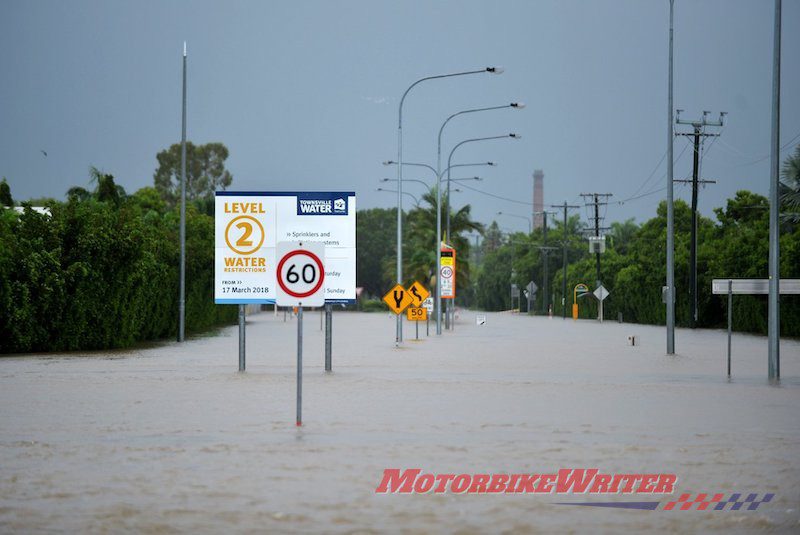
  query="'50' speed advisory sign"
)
[{"x": 300, "y": 273}]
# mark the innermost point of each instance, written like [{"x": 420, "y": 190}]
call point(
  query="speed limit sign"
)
[{"x": 300, "y": 274}]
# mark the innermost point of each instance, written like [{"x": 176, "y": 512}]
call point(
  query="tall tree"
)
[
  {"x": 790, "y": 187},
  {"x": 5, "y": 194},
  {"x": 205, "y": 171}
]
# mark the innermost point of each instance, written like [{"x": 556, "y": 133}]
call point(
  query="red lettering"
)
[
  {"x": 479, "y": 482},
  {"x": 666, "y": 484},
  {"x": 578, "y": 478},
  {"x": 443, "y": 479},
  {"x": 498, "y": 483},
  {"x": 394, "y": 481},
  {"x": 546, "y": 483}
]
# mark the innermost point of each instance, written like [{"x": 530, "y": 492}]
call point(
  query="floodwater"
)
[{"x": 172, "y": 439}]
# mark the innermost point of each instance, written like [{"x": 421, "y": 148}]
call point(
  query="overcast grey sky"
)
[{"x": 305, "y": 93}]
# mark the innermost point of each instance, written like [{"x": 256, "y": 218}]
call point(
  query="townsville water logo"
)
[
  {"x": 569, "y": 481},
  {"x": 321, "y": 204}
]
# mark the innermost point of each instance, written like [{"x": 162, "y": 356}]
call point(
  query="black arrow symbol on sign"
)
[
  {"x": 399, "y": 300},
  {"x": 415, "y": 293}
]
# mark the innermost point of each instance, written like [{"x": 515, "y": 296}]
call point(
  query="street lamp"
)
[
  {"x": 439, "y": 221},
  {"x": 528, "y": 219},
  {"x": 416, "y": 200},
  {"x": 492, "y": 70},
  {"x": 407, "y": 180},
  {"x": 517, "y": 105}
]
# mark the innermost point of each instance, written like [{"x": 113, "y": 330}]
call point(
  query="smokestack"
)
[{"x": 538, "y": 197}]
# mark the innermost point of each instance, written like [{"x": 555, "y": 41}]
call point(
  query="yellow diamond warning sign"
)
[
  {"x": 398, "y": 299},
  {"x": 418, "y": 294}
]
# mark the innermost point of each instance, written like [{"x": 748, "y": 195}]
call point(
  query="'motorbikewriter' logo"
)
[
  {"x": 569, "y": 481},
  {"x": 566, "y": 481}
]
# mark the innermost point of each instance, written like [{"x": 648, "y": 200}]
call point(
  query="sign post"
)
[
  {"x": 398, "y": 299},
  {"x": 447, "y": 278},
  {"x": 300, "y": 274},
  {"x": 249, "y": 224},
  {"x": 750, "y": 287},
  {"x": 601, "y": 293}
]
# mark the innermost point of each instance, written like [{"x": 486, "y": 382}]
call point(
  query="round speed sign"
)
[{"x": 300, "y": 274}]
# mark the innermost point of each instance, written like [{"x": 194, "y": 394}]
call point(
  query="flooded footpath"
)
[{"x": 173, "y": 439}]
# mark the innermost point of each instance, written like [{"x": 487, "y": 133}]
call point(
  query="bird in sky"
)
[{"x": 43, "y": 152}]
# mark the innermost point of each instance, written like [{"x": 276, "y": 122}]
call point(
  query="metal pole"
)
[
  {"x": 564, "y": 261},
  {"x": 241, "y": 338},
  {"x": 182, "y": 298},
  {"x": 416, "y": 324},
  {"x": 299, "y": 366},
  {"x": 328, "y": 337},
  {"x": 670, "y": 208},
  {"x": 496, "y": 70},
  {"x": 730, "y": 322},
  {"x": 545, "y": 296},
  {"x": 774, "y": 325}
]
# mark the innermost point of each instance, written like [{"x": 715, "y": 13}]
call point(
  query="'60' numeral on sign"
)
[{"x": 309, "y": 273}]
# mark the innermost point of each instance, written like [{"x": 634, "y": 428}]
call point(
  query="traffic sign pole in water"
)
[
  {"x": 730, "y": 323},
  {"x": 328, "y": 337},
  {"x": 241, "y": 338},
  {"x": 299, "y": 366}
]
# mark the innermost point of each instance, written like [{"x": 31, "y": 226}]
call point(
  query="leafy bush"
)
[{"x": 98, "y": 275}]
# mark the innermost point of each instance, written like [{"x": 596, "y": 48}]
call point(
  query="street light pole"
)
[
  {"x": 670, "y": 294},
  {"x": 493, "y": 70},
  {"x": 182, "y": 299},
  {"x": 439, "y": 222},
  {"x": 773, "y": 314}
]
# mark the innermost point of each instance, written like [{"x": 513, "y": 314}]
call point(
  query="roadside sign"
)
[
  {"x": 531, "y": 287},
  {"x": 248, "y": 226},
  {"x": 398, "y": 299},
  {"x": 416, "y": 314},
  {"x": 581, "y": 289},
  {"x": 514, "y": 291},
  {"x": 601, "y": 293},
  {"x": 428, "y": 304},
  {"x": 481, "y": 319},
  {"x": 754, "y": 286},
  {"x": 447, "y": 275},
  {"x": 300, "y": 274},
  {"x": 418, "y": 293}
]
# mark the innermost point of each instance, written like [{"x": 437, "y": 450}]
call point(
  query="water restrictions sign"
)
[{"x": 250, "y": 224}]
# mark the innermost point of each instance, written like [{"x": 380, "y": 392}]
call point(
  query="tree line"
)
[
  {"x": 101, "y": 269},
  {"x": 633, "y": 268}
]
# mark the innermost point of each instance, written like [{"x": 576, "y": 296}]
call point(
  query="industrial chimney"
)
[{"x": 538, "y": 197}]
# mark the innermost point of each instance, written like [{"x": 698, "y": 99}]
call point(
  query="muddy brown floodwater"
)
[{"x": 172, "y": 438}]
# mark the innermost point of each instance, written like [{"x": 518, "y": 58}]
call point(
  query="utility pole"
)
[
  {"x": 698, "y": 133},
  {"x": 564, "y": 244},
  {"x": 596, "y": 202},
  {"x": 544, "y": 250}
]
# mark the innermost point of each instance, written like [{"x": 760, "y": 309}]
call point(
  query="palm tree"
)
[
  {"x": 790, "y": 188},
  {"x": 420, "y": 240}
]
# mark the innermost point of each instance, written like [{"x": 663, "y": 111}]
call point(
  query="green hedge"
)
[{"x": 94, "y": 276}]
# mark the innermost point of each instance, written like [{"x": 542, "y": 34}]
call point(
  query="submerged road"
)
[{"x": 172, "y": 438}]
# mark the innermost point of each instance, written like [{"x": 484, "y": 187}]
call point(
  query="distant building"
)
[
  {"x": 38, "y": 209},
  {"x": 538, "y": 198}
]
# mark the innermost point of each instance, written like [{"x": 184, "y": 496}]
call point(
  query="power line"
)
[{"x": 497, "y": 196}]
